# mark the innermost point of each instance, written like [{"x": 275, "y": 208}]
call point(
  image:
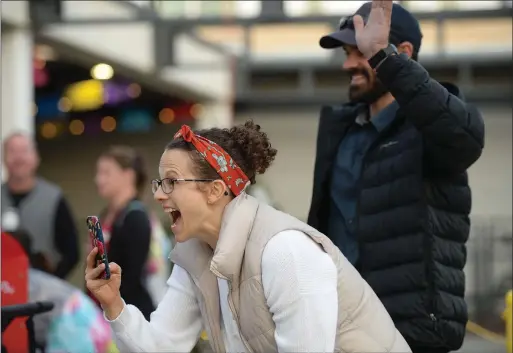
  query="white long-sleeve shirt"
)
[{"x": 300, "y": 286}]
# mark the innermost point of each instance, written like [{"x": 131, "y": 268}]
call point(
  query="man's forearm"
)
[
  {"x": 453, "y": 132},
  {"x": 405, "y": 79},
  {"x": 422, "y": 99}
]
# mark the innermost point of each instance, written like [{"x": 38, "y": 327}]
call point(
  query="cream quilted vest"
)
[{"x": 363, "y": 323}]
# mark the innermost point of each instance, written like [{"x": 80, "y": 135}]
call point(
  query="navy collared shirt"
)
[{"x": 346, "y": 175}]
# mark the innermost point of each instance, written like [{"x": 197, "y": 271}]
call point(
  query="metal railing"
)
[
  {"x": 231, "y": 9},
  {"x": 253, "y": 50},
  {"x": 489, "y": 269}
]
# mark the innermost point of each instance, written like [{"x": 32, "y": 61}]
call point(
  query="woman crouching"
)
[{"x": 256, "y": 279}]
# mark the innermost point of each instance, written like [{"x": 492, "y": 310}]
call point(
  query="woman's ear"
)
[
  {"x": 406, "y": 48},
  {"x": 217, "y": 190}
]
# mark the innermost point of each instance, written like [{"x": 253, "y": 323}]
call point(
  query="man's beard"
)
[{"x": 366, "y": 95}]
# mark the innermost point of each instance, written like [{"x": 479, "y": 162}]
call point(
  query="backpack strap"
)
[{"x": 134, "y": 205}]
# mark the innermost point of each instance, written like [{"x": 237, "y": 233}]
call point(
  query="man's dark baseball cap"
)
[{"x": 404, "y": 28}]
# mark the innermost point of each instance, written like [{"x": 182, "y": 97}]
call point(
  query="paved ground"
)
[{"x": 474, "y": 344}]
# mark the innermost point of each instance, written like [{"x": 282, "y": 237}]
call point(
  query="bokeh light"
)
[
  {"x": 108, "y": 124},
  {"x": 48, "y": 130},
  {"x": 76, "y": 127},
  {"x": 65, "y": 104},
  {"x": 102, "y": 72},
  {"x": 133, "y": 90},
  {"x": 39, "y": 64},
  {"x": 196, "y": 110},
  {"x": 167, "y": 116},
  {"x": 85, "y": 95}
]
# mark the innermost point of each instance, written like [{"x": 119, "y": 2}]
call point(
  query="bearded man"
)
[{"x": 390, "y": 181}]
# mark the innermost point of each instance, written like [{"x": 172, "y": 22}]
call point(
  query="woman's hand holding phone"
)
[{"x": 106, "y": 291}]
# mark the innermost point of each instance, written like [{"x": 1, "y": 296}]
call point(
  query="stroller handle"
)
[
  {"x": 29, "y": 309},
  {"x": 10, "y": 312}
]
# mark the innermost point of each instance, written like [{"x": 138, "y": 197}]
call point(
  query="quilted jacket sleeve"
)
[{"x": 453, "y": 131}]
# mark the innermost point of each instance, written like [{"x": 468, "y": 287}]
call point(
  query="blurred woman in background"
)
[{"x": 120, "y": 179}]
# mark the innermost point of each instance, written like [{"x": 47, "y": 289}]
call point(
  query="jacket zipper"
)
[
  {"x": 232, "y": 309},
  {"x": 210, "y": 322},
  {"x": 432, "y": 316},
  {"x": 434, "y": 320},
  {"x": 431, "y": 290},
  {"x": 358, "y": 203},
  {"x": 381, "y": 135}
]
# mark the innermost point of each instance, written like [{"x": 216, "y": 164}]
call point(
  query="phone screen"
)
[{"x": 97, "y": 240}]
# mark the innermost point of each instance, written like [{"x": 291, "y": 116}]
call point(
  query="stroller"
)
[{"x": 17, "y": 314}]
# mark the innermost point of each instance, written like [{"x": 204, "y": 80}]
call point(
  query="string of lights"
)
[{"x": 73, "y": 101}]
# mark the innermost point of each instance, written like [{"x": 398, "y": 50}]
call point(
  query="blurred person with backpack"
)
[
  {"x": 34, "y": 204},
  {"x": 131, "y": 233},
  {"x": 158, "y": 266}
]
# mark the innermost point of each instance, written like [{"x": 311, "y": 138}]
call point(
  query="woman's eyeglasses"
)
[{"x": 168, "y": 184}]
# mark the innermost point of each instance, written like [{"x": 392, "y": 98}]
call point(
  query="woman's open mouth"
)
[{"x": 177, "y": 217}]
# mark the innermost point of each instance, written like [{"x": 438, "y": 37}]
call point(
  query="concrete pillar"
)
[{"x": 17, "y": 82}]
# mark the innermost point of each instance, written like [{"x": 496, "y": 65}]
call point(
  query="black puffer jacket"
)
[{"x": 414, "y": 205}]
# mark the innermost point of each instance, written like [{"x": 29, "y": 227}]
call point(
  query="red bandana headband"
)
[{"x": 218, "y": 158}]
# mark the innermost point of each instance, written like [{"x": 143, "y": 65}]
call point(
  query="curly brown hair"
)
[{"x": 249, "y": 147}]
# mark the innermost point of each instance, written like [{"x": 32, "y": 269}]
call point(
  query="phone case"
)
[{"x": 96, "y": 234}]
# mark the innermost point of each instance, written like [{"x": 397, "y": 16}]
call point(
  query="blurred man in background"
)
[
  {"x": 390, "y": 183},
  {"x": 33, "y": 204}
]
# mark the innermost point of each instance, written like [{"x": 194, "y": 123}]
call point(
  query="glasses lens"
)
[
  {"x": 154, "y": 185},
  {"x": 167, "y": 185}
]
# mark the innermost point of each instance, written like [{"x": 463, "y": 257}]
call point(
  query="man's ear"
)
[
  {"x": 216, "y": 191},
  {"x": 406, "y": 48}
]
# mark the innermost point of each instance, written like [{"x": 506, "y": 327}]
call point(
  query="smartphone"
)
[{"x": 96, "y": 234}]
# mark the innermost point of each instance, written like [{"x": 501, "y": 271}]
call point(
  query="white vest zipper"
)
[{"x": 232, "y": 309}]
